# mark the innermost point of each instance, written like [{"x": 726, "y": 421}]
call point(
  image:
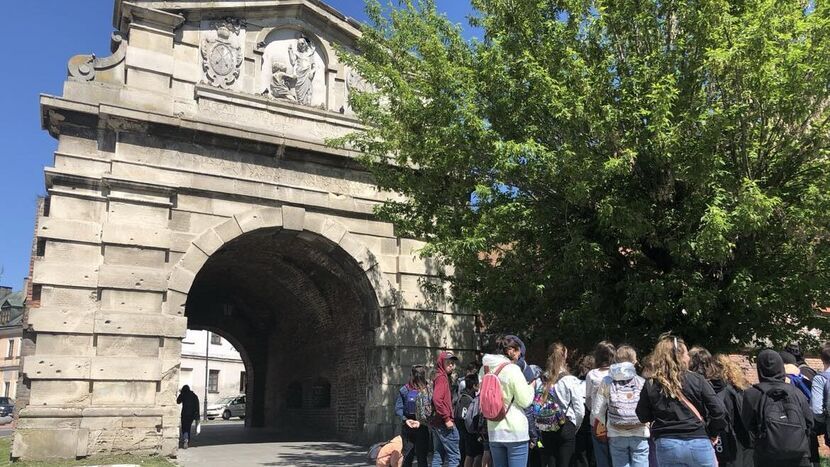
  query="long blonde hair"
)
[
  {"x": 667, "y": 366},
  {"x": 731, "y": 372},
  {"x": 557, "y": 365}
]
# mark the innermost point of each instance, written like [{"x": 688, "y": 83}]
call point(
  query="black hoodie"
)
[
  {"x": 771, "y": 377},
  {"x": 190, "y": 403},
  {"x": 672, "y": 418}
]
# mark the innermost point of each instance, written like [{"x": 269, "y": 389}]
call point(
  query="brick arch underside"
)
[{"x": 300, "y": 296}]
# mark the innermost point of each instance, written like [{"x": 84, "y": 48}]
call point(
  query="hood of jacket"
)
[
  {"x": 441, "y": 362},
  {"x": 791, "y": 369},
  {"x": 770, "y": 367},
  {"x": 535, "y": 371},
  {"x": 623, "y": 371},
  {"x": 718, "y": 384},
  {"x": 492, "y": 361}
]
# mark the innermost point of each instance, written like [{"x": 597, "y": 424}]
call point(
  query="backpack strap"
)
[
  {"x": 496, "y": 374},
  {"x": 691, "y": 407},
  {"x": 500, "y": 367},
  {"x": 762, "y": 409}
]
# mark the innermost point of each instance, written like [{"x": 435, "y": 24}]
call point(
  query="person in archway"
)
[{"x": 190, "y": 412}]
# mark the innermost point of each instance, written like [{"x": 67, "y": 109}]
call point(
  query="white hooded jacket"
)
[{"x": 619, "y": 372}]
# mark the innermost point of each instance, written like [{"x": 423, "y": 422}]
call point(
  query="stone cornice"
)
[
  {"x": 347, "y": 25},
  {"x": 53, "y": 109},
  {"x": 134, "y": 13}
]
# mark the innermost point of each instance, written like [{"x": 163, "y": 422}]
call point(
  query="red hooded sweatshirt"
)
[{"x": 441, "y": 393}]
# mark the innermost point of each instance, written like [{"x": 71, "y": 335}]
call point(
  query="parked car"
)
[
  {"x": 227, "y": 407},
  {"x": 6, "y": 406}
]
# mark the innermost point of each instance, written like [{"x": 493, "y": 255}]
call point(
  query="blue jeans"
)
[
  {"x": 628, "y": 451},
  {"x": 682, "y": 452},
  {"x": 445, "y": 450},
  {"x": 509, "y": 454},
  {"x": 601, "y": 452}
]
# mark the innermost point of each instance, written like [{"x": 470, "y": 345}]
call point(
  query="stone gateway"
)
[{"x": 192, "y": 188}]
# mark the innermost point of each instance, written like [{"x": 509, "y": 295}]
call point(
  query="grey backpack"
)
[{"x": 622, "y": 402}]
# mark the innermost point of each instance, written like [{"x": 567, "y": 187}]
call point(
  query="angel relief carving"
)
[
  {"x": 283, "y": 83},
  {"x": 294, "y": 79},
  {"x": 304, "y": 68},
  {"x": 222, "y": 54}
]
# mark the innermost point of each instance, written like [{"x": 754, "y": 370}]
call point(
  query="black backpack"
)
[
  {"x": 782, "y": 429},
  {"x": 461, "y": 406},
  {"x": 726, "y": 448}
]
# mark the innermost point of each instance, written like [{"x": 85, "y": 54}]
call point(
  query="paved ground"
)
[{"x": 231, "y": 444}]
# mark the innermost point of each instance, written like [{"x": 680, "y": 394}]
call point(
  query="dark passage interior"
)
[{"x": 298, "y": 307}]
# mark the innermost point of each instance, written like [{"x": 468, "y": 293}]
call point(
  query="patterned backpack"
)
[
  {"x": 423, "y": 405},
  {"x": 622, "y": 402},
  {"x": 549, "y": 414}
]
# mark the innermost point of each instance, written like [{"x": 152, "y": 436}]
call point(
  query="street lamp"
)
[{"x": 207, "y": 352}]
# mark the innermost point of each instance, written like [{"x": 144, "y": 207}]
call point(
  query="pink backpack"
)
[{"x": 492, "y": 403}]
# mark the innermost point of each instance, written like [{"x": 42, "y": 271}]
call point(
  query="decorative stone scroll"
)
[
  {"x": 86, "y": 67},
  {"x": 222, "y": 55}
]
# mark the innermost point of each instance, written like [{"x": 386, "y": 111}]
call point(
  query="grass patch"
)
[{"x": 5, "y": 449}]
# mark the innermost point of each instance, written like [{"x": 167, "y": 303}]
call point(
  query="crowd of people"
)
[{"x": 677, "y": 406}]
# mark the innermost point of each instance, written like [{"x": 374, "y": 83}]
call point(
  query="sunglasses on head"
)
[{"x": 674, "y": 341}]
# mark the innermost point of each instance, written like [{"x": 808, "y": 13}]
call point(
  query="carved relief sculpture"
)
[
  {"x": 283, "y": 84},
  {"x": 222, "y": 55},
  {"x": 304, "y": 69},
  {"x": 355, "y": 82}
]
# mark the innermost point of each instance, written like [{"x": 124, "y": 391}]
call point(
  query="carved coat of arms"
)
[{"x": 222, "y": 55}]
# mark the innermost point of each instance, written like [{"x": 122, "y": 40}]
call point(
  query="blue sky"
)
[{"x": 46, "y": 34}]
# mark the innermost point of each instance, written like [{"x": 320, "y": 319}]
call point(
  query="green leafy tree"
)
[{"x": 627, "y": 167}]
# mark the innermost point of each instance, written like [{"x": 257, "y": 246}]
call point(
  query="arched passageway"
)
[{"x": 298, "y": 308}]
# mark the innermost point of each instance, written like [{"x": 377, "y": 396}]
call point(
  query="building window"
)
[
  {"x": 186, "y": 377},
  {"x": 7, "y": 389},
  {"x": 213, "y": 381},
  {"x": 10, "y": 354},
  {"x": 215, "y": 339},
  {"x": 242, "y": 382}
]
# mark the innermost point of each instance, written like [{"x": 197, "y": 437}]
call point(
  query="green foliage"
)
[{"x": 629, "y": 167}]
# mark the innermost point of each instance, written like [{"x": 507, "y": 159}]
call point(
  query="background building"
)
[
  {"x": 226, "y": 371},
  {"x": 11, "y": 331}
]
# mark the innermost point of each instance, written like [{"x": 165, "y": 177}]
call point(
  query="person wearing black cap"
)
[
  {"x": 807, "y": 371},
  {"x": 445, "y": 438},
  {"x": 778, "y": 416}
]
